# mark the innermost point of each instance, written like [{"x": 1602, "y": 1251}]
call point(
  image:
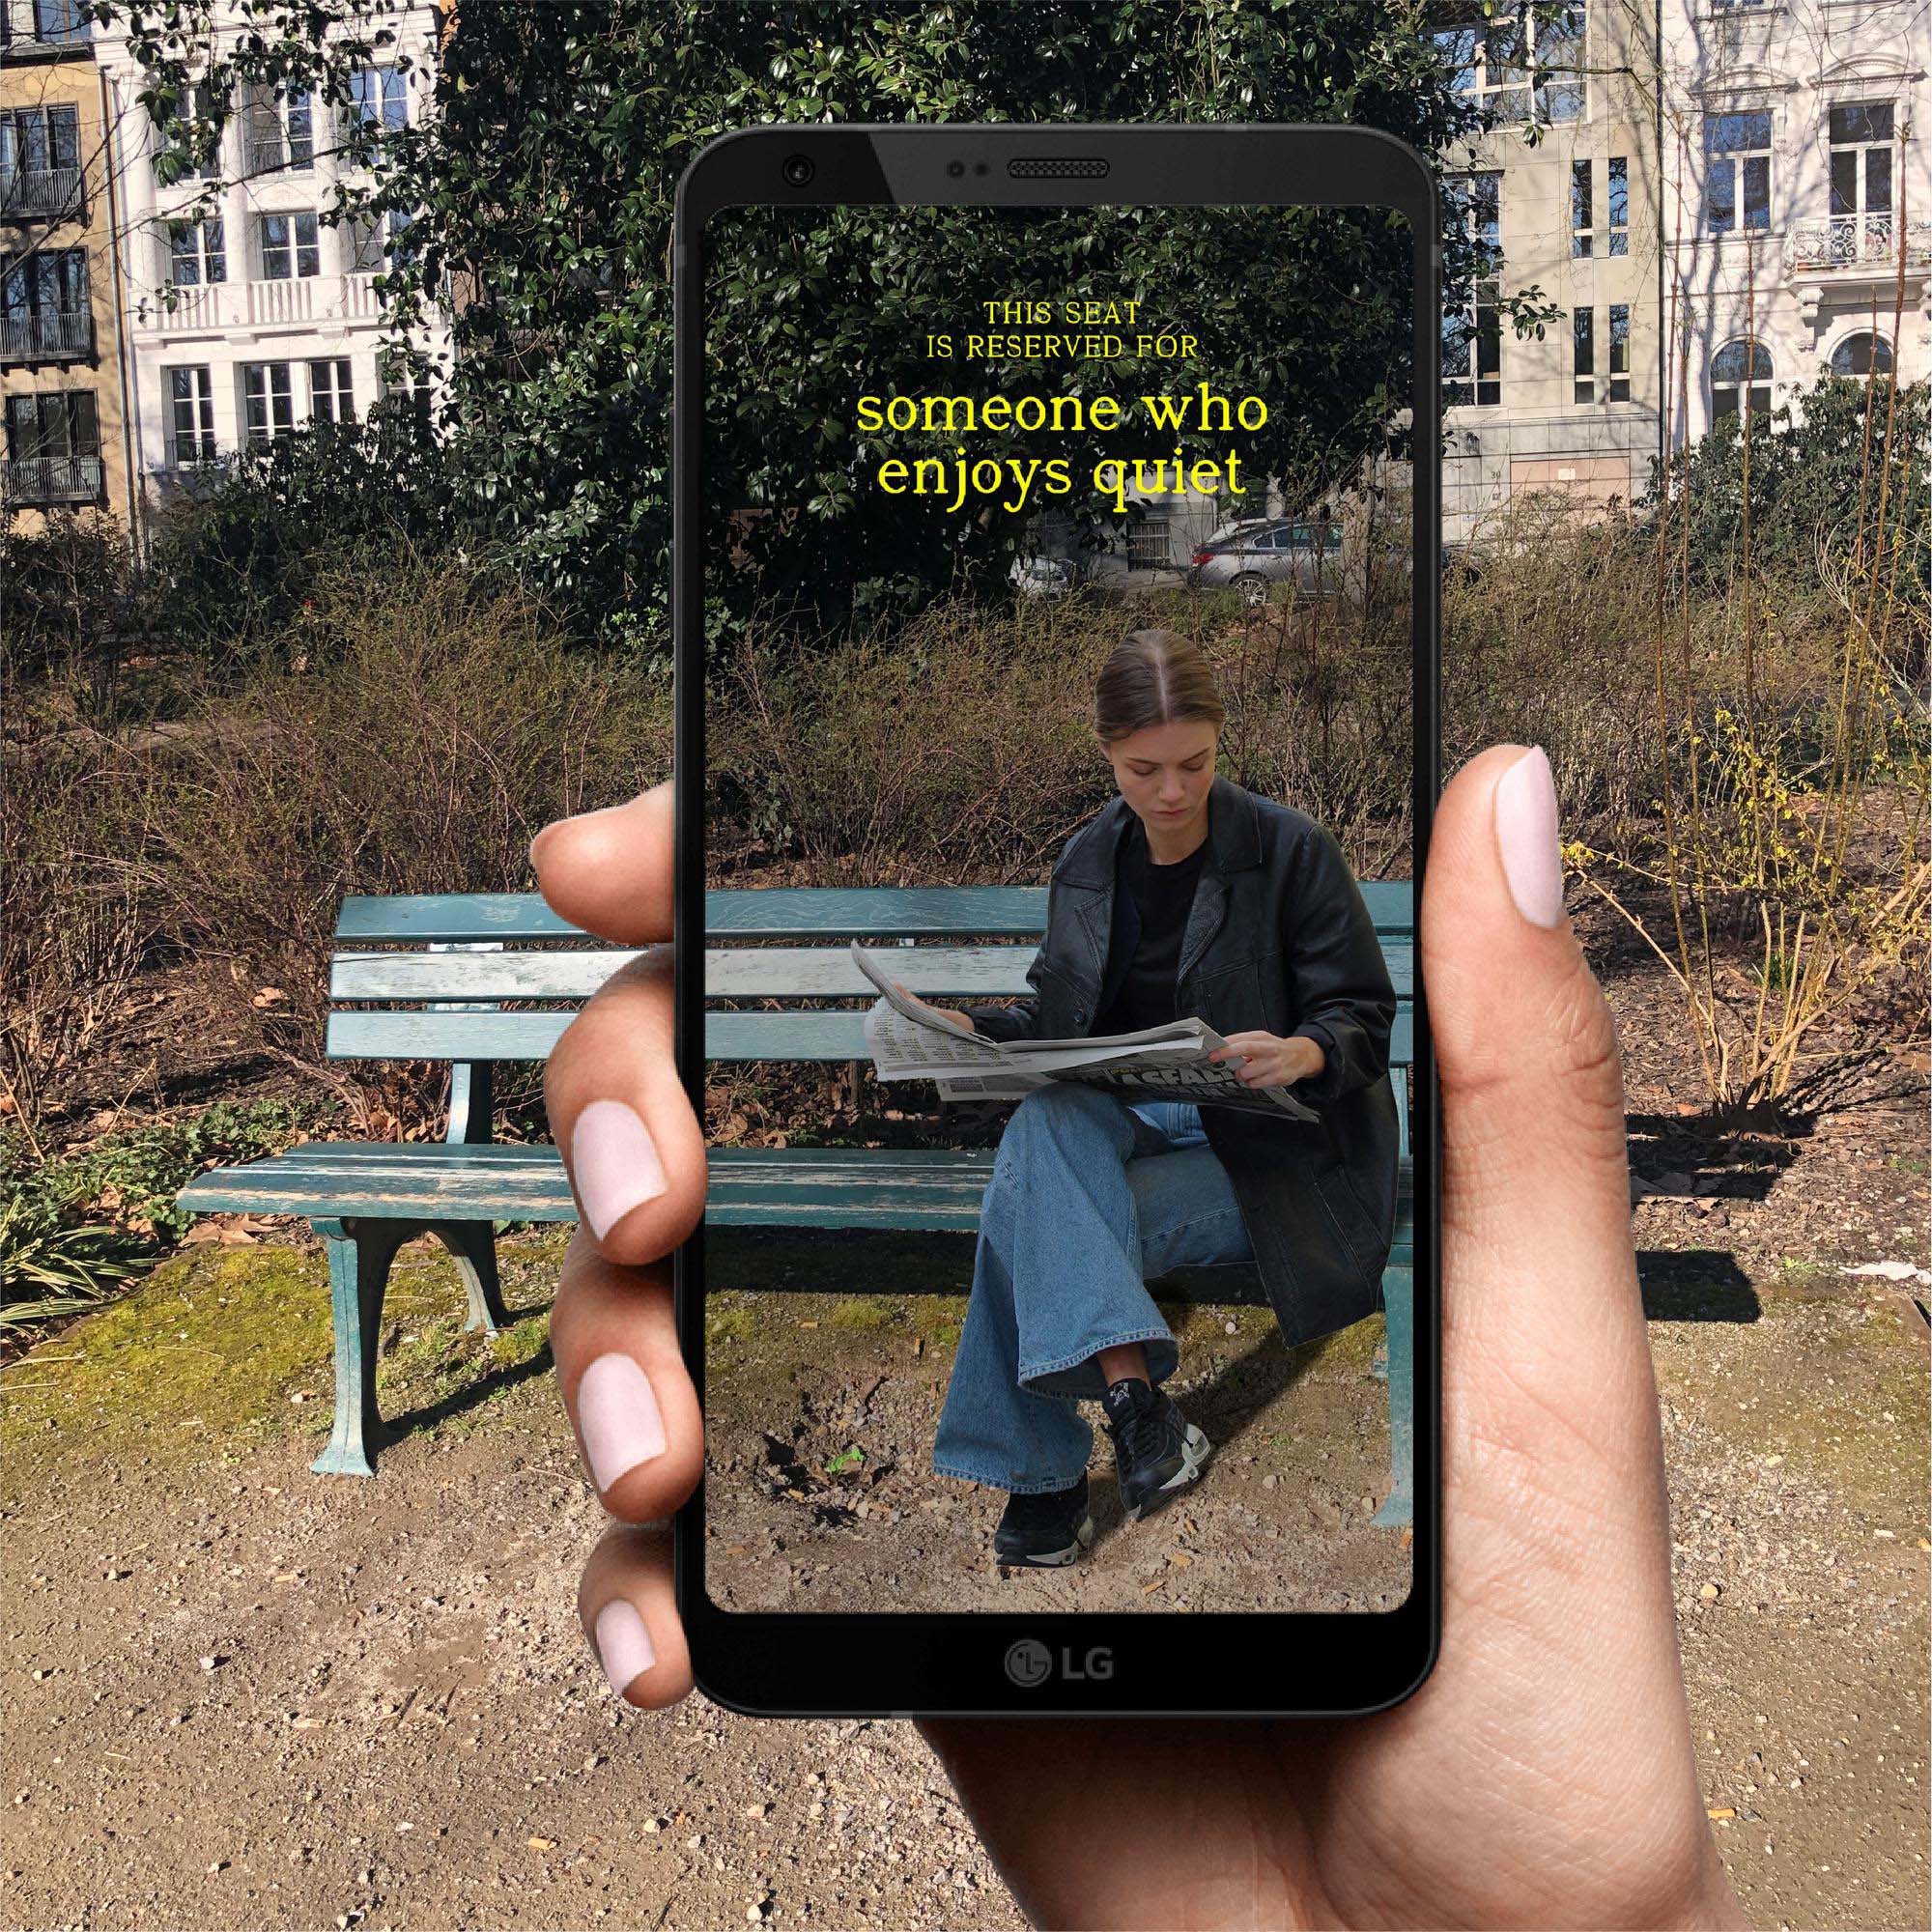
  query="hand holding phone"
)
[{"x": 1556, "y": 1713}]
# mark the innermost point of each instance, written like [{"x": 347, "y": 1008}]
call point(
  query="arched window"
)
[
  {"x": 1863, "y": 354},
  {"x": 1741, "y": 376}
]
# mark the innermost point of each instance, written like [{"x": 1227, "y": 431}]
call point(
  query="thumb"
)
[
  {"x": 1536, "y": 1180},
  {"x": 1559, "y": 1633}
]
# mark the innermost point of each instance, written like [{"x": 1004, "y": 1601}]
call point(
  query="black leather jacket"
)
[{"x": 1278, "y": 938}]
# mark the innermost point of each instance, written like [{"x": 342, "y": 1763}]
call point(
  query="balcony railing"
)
[
  {"x": 50, "y": 194},
  {"x": 50, "y": 479},
  {"x": 65, "y": 336},
  {"x": 1867, "y": 243},
  {"x": 218, "y": 305}
]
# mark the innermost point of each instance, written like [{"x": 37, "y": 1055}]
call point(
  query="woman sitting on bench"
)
[{"x": 1185, "y": 896}]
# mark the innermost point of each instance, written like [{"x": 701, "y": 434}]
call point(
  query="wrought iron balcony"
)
[
  {"x": 65, "y": 336},
  {"x": 1866, "y": 245},
  {"x": 45, "y": 194},
  {"x": 50, "y": 479}
]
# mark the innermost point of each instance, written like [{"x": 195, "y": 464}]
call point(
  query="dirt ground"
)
[
  {"x": 821, "y": 1494},
  {"x": 238, "y": 1695}
]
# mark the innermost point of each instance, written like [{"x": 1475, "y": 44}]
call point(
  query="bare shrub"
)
[
  {"x": 960, "y": 748},
  {"x": 409, "y": 734}
]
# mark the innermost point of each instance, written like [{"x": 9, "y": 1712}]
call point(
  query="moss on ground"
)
[
  {"x": 1838, "y": 1390},
  {"x": 863, "y": 1315},
  {"x": 207, "y": 1355}
]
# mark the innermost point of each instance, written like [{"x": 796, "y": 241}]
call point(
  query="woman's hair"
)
[{"x": 1153, "y": 677}]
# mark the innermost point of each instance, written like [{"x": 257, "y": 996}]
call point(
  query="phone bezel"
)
[{"x": 1285, "y": 1663}]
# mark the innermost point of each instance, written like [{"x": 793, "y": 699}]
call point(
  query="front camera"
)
[
  {"x": 955, "y": 169},
  {"x": 798, "y": 170}
]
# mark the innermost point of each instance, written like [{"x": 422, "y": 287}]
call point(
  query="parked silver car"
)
[
  {"x": 1306, "y": 556},
  {"x": 1042, "y": 576}
]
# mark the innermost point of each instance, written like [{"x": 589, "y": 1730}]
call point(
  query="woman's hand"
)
[
  {"x": 945, "y": 1014},
  {"x": 1268, "y": 1059},
  {"x": 1544, "y": 1774}
]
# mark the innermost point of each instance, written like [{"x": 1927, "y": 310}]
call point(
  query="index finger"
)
[{"x": 609, "y": 872}]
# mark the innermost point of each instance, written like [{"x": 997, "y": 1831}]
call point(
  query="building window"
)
[
  {"x": 412, "y": 396},
  {"x": 379, "y": 99},
  {"x": 1618, "y": 212},
  {"x": 35, "y": 140},
  {"x": 1741, "y": 378},
  {"x": 267, "y": 400},
  {"x": 330, "y": 397},
  {"x": 401, "y": 249},
  {"x": 191, "y": 415},
  {"x": 378, "y": 241},
  {"x": 1863, "y": 354},
  {"x": 58, "y": 22},
  {"x": 1473, "y": 336},
  {"x": 39, "y": 161},
  {"x": 60, "y": 423},
  {"x": 1582, "y": 222},
  {"x": 197, "y": 252},
  {"x": 1737, "y": 181},
  {"x": 1861, "y": 170},
  {"x": 188, "y": 136},
  {"x": 1584, "y": 345},
  {"x": 280, "y": 131},
  {"x": 1524, "y": 64},
  {"x": 290, "y": 247},
  {"x": 1620, "y": 352},
  {"x": 45, "y": 310}
]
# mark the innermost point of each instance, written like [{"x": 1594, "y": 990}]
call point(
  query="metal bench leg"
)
[
  {"x": 360, "y": 1254},
  {"x": 1399, "y": 1302},
  {"x": 473, "y": 1244}
]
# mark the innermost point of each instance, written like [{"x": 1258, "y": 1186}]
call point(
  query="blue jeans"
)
[{"x": 1089, "y": 1198}]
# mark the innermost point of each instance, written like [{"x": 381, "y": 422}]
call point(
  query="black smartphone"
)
[{"x": 1055, "y": 581}]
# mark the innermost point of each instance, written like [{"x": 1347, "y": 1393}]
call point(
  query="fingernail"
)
[
  {"x": 1525, "y": 808},
  {"x": 613, "y": 1163},
  {"x": 535, "y": 842},
  {"x": 619, "y": 1416},
  {"x": 623, "y": 1645}
]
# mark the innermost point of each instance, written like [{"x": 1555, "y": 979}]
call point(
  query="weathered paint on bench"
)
[{"x": 420, "y": 976}]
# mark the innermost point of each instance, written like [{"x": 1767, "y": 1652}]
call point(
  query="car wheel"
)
[{"x": 1254, "y": 588}]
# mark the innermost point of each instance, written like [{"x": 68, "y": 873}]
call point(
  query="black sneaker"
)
[
  {"x": 1045, "y": 1531},
  {"x": 1158, "y": 1453}
]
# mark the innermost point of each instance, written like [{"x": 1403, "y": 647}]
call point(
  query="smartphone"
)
[{"x": 1055, "y": 579}]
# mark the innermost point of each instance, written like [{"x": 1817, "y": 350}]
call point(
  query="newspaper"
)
[{"x": 1163, "y": 1063}]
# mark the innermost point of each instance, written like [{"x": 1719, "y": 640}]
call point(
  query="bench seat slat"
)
[
  {"x": 729, "y": 1036},
  {"x": 825, "y": 1187}
]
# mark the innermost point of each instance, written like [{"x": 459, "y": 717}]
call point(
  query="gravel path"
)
[{"x": 241, "y": 1695}]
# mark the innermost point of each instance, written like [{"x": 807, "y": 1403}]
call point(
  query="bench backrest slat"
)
[
  {"x": 421, "y": 1003},
  {"x": 736, "y": 1037},
  {"x": 744, "y": 971},
  {"x": 782, "y": 912}
]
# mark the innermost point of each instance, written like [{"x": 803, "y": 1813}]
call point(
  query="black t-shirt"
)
[{"x": 1162, "y": 896}]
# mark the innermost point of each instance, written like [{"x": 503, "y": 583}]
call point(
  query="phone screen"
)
[{"x": 1059, "y": 670}]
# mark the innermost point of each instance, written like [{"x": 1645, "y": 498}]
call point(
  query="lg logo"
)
[{"x": 1030, "y": 1664}]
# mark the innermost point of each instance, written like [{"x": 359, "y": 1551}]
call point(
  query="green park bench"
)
[{"x": 427, "y": 977}]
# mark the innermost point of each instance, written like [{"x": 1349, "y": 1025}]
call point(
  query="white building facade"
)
[
  {"x": 257, "y": 317},
  {"x": 1565, "y": 188},
  {"x": 1796, "y": 190}
]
